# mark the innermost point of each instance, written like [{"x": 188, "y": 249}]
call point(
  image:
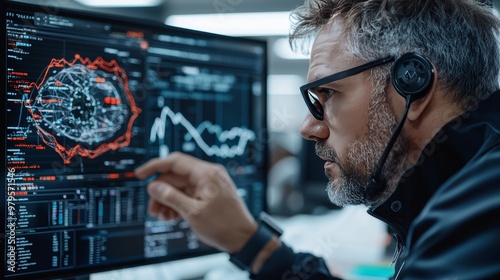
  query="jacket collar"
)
[{"x": 449, "y": 150}]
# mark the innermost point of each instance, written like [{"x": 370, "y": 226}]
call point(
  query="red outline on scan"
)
[{"x": 120, "y": 142}]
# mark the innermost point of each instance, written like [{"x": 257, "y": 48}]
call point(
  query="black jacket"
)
[{"x": 445, "y": 212}]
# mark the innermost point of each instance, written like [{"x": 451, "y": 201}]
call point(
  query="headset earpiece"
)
[{"x": 412, "y": 75}]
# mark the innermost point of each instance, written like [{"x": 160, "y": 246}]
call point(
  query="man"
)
[{"x": 405, "y": 115}]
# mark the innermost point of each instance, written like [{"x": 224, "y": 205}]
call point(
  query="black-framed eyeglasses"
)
[{"x": 311, "y": 98}]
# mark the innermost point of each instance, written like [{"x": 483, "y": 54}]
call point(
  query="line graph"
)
[{"x": 242, "y": 135}]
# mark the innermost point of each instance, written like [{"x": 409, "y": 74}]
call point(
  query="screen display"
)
[{"x": 87, "y": 99}]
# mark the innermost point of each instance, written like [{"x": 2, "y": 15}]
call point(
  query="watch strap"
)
[
  {"x": 244, "y": 258},
  {"x": 268, "y": 228}
]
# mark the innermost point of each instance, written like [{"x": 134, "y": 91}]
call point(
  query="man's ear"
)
[{"x": 419, "y": 105}]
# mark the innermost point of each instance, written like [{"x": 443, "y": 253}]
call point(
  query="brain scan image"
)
[{"x": 87, "y": 102}]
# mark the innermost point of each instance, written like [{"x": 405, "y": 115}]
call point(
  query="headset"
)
[{"x": 411, "y": 75}]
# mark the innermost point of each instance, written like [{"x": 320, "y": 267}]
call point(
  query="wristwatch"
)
[{"x": 267, "y": 229}]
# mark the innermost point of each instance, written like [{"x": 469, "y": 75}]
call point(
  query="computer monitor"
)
[{"x": 86, "y": 99}]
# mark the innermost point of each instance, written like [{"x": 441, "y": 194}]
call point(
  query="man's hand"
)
[{"x": 204, "y": 195}]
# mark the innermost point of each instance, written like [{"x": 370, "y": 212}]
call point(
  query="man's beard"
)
[{"x": 358, "y": 160}]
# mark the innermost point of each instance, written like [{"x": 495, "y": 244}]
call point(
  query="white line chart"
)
[{"x": 195, "y": 133}]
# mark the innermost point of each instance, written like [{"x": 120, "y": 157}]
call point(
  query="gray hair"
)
[{"x": 460, "y": 37}]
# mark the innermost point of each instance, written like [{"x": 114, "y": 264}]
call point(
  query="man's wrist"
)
[
  {"x": 249, "y": 233},
  {"x": 245, "y": 257},
  {"x": 259, "y": 247}
]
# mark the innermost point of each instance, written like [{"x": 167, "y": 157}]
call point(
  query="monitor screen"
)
[{"x": 87, "y": 98}]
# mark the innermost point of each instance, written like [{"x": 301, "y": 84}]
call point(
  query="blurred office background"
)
[{"x": 296, "y": 185}]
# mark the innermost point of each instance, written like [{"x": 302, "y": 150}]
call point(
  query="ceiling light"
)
[
  {"x": 235, "y": 24},
  {"x": 120, "y": 3}
]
